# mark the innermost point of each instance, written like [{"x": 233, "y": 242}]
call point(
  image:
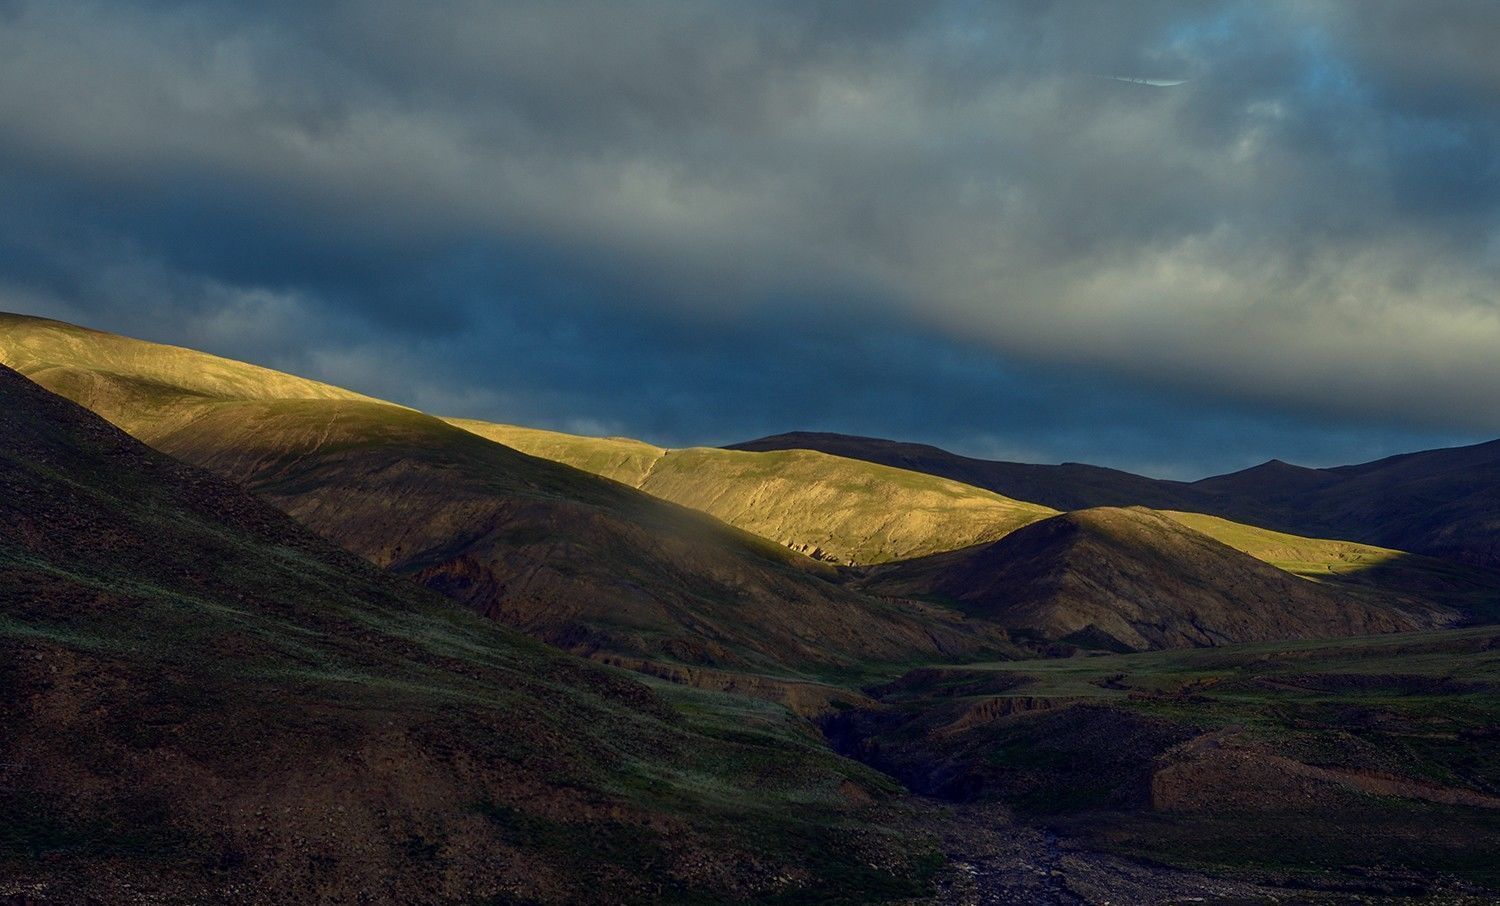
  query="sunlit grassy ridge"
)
[
  {"x": 1312, "y": 558},
  {"x": 1351, "y": 564},
  {"x": 33, "y": 346},
  {"x": 835, "y": 508},
  {"x": 149, "y": 389},
  {"x": 852, "y": 510}
]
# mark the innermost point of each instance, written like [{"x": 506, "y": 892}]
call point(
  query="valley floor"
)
[{"x": 1351, "y": 770}]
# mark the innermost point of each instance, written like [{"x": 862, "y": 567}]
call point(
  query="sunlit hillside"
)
[{"x": 827, "y": 506}]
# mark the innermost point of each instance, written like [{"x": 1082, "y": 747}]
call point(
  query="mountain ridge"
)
[
  {"x": 588, "y": 563},
  {"x": 1443, "y": 503}
]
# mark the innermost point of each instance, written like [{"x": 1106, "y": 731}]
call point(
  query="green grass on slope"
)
[
  {"x": 1422, "y": 705},
  {"x": 33, "y": 346},
  {"x": 1419, "y": 707},
  {"x": 835, "y": 508},
  {"x": 723, "y": 768},
  {"x": 851, "y": 510},
  {"x": 1474, "y": 591},
  {"x": 1313, "y": 558},
  {"x": 1461, "y": 654}
]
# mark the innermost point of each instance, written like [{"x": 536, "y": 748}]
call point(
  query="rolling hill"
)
[
  {"x": 830, "y": 507},
  {"x": 573, "y": 559},
  {"x": 602, "y": 569},
  {"x": 825, "y": 505},
  {"x": 204, "y": 702},
  {"x": 1442, "y": 503},
  {"x": 1133, "y": 579},
  {"x": 785, "y": 495}
]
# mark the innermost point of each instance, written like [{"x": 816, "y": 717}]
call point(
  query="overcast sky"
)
[{"x": 992, "y": 226}]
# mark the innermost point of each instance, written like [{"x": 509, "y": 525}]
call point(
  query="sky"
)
[{"x": 1175, "y": 238}]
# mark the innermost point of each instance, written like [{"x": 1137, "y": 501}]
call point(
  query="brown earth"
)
[{"x": 1224, "y": 772}]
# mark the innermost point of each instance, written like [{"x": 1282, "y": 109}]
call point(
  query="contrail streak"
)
[{"x": 1155, "y": 83}]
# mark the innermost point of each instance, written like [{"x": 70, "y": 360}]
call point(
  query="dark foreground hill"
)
[
  {"x": 1133, "y": 579},
  {"x": 203, "y": 702},
  {"x": 1443, "y": 503}
]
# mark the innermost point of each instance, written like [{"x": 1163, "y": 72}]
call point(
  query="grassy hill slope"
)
[
  {"x": 1472, "y": 591},
  {"x": 830, "y": 507},
  {"x": 823, "y": 504},
  {"x": 1443, "y": 503},
  {"x": 1070, "y": 486},
  {"x": 204, "y": 702},
  {"x": 584, "y": 563}
]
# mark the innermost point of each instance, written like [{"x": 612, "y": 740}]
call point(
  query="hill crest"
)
[{"x": 1134, "y": 579}]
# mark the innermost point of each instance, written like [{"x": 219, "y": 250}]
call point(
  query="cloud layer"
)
[{"x": 960, "y": 222}]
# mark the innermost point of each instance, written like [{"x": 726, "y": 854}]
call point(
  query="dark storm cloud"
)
[{"x": 702, "y": 221}]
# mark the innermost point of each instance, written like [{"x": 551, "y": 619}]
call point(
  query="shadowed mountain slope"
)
[
  {"x": 829, "y": 507},
  {"x": 1440, "y": 502},
  {"x": 1444, "y": 503},
  {"x": 204, "y": 702},
  {"x": 1132, "y": 579},
  {"x": 584, "y": 563}
]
